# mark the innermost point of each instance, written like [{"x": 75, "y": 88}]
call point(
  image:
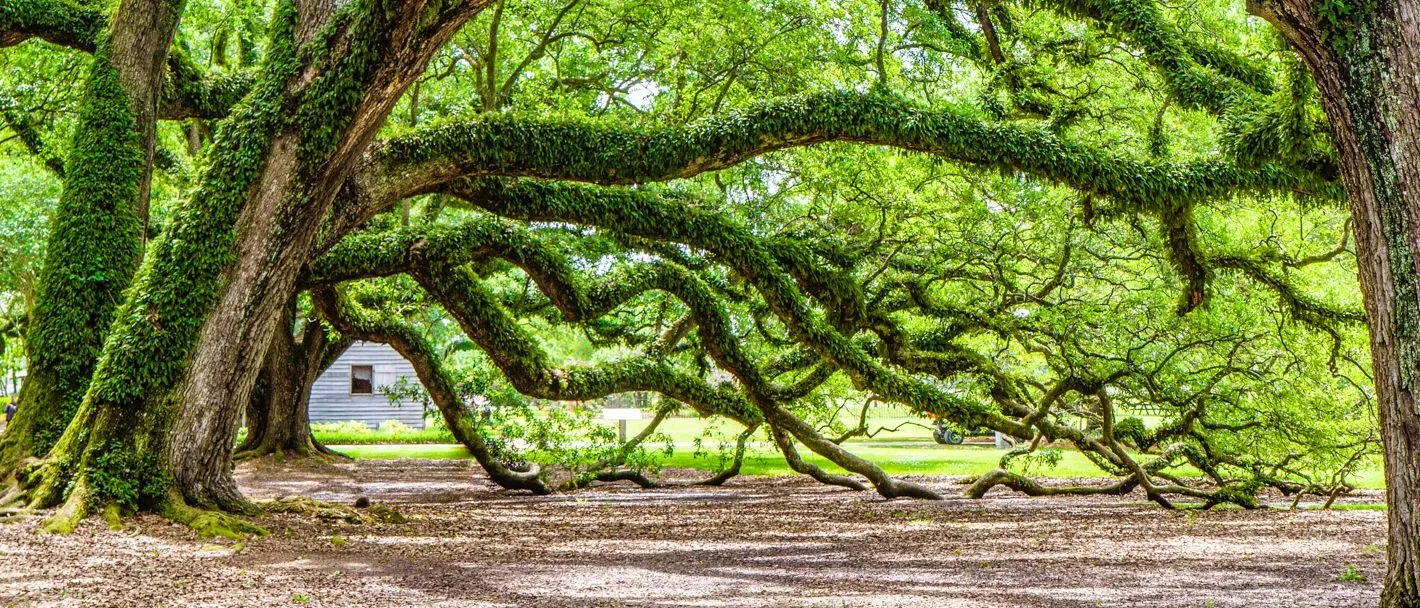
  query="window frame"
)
[{"x": 369, "y": 380}]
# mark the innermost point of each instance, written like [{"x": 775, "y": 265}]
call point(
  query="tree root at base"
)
[
  {"x": 209, "y": 524},
  {"x": 372, "y": 514}
]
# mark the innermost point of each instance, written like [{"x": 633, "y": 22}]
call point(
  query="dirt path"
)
[{"x": 764, "y": 542}]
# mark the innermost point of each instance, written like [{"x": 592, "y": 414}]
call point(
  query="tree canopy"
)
[{"x": 1106, "y": 224}]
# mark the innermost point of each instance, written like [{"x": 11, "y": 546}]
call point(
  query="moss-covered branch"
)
[
  {"x": 608, "y": 153},
  {"x": 28, "y": 131},
  {"x": 1303, "y": 307},
  {"x": 191, "y": 92},
  {"x": 63, "y": 22},
  {"x": 526, "y": 365},
  {"x": 355, "y": 323},
  {"x": 643, "y": 213},
  {"x": 1198, "y": 74}
]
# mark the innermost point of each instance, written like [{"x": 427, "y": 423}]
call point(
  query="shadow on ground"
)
[{"x": 761, "y": 542}]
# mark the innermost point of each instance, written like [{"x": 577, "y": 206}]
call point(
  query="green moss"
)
[
  {"x": 210, "y": 524},
  {"x": 190, "y": 91},
  {"x": 509, "y": 145},
  {"x": 95, "y": 241},
  {"x": 113, "y": 516},
  {"x": 126, "y": 478},
  {"x": 62, "y": 22},
  {"x": 640, "y": 213}
]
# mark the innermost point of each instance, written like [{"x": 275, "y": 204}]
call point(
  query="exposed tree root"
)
[
  {"x": 41, "y": 483},
  {"x": 113, "y": 516},
  {"x": 209, "y": 524},
  {"x": 68, "y": 516},
  {"x": 374, "y": 513}
]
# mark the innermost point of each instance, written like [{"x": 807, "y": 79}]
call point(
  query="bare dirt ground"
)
[{"x": 761, "y": 542}]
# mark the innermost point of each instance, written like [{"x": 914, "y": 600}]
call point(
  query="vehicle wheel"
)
[
  {"x": 953, "y": 438},
  {"x": 940, "y": 437}
]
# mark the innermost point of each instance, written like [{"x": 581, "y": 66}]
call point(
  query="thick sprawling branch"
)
[
  {"x": 62, "y": 22},
  {"x": 1198, "y": 74},
  {"x": 428, "y": 366},
  {"x": 644, "y": 214},
  {"x": 494, "y": 330},
  {"x": 525, "y": 364},
  {"x": 604, "y": 153},
  {"x": 1029, "y": 487}
]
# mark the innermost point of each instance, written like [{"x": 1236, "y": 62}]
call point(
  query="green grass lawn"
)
[
  {"x": 907, "y": 450},
  {"x": 930, "y": 459}
]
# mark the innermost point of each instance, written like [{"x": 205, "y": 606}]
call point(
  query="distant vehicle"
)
[{"x": 945, "y": 434}]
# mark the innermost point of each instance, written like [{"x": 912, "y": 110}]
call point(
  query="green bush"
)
[
  {"x": 1131, "y": 431},
  {"x": 390, "y": 431}
]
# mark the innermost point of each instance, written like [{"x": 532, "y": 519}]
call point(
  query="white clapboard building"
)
[{"x": 350, "y": 389}]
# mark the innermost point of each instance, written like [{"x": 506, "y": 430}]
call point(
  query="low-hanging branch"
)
[
  {"x": 643, "y": 213},
  {"x": 485, "y": 322},
  {"x": 433, "y": 254},
  {"x": 428, "y": 366}
]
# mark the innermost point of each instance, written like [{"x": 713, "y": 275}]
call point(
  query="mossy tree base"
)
[{"x": 207, "y": 523}]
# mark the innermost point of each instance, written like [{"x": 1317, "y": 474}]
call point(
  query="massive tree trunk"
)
[
  {"x": 344, "y": 104},
  {"x": 191, "y": 339},
  {"x": 96, "y": 239},
  {"x": 1365, "y": 58},
  {"x": 277, "y": 418}
]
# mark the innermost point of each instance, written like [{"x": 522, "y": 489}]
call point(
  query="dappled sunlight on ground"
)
[{"x": 760, "y": 542}]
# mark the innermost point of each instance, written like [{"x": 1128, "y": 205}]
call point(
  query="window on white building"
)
[{"x": 362, "y": 379}]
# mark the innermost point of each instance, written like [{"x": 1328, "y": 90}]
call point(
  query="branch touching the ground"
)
[
  {"x": 486, "y": 322},
  {"x": 804, "y": 467},
  {"x": 428, "y": 366},
  {"x": 1029, "y": 487},
  {"x": 733, "y": 470}
]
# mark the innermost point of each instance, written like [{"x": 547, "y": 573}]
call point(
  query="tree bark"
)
[
  {"x": 192, "y": 335},
  {"x": 96, "y": 240},
  {"x": 277, "y": 227},
  {"x": 1365, "y": 58},
  {"x": 277, "y": 419}
]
